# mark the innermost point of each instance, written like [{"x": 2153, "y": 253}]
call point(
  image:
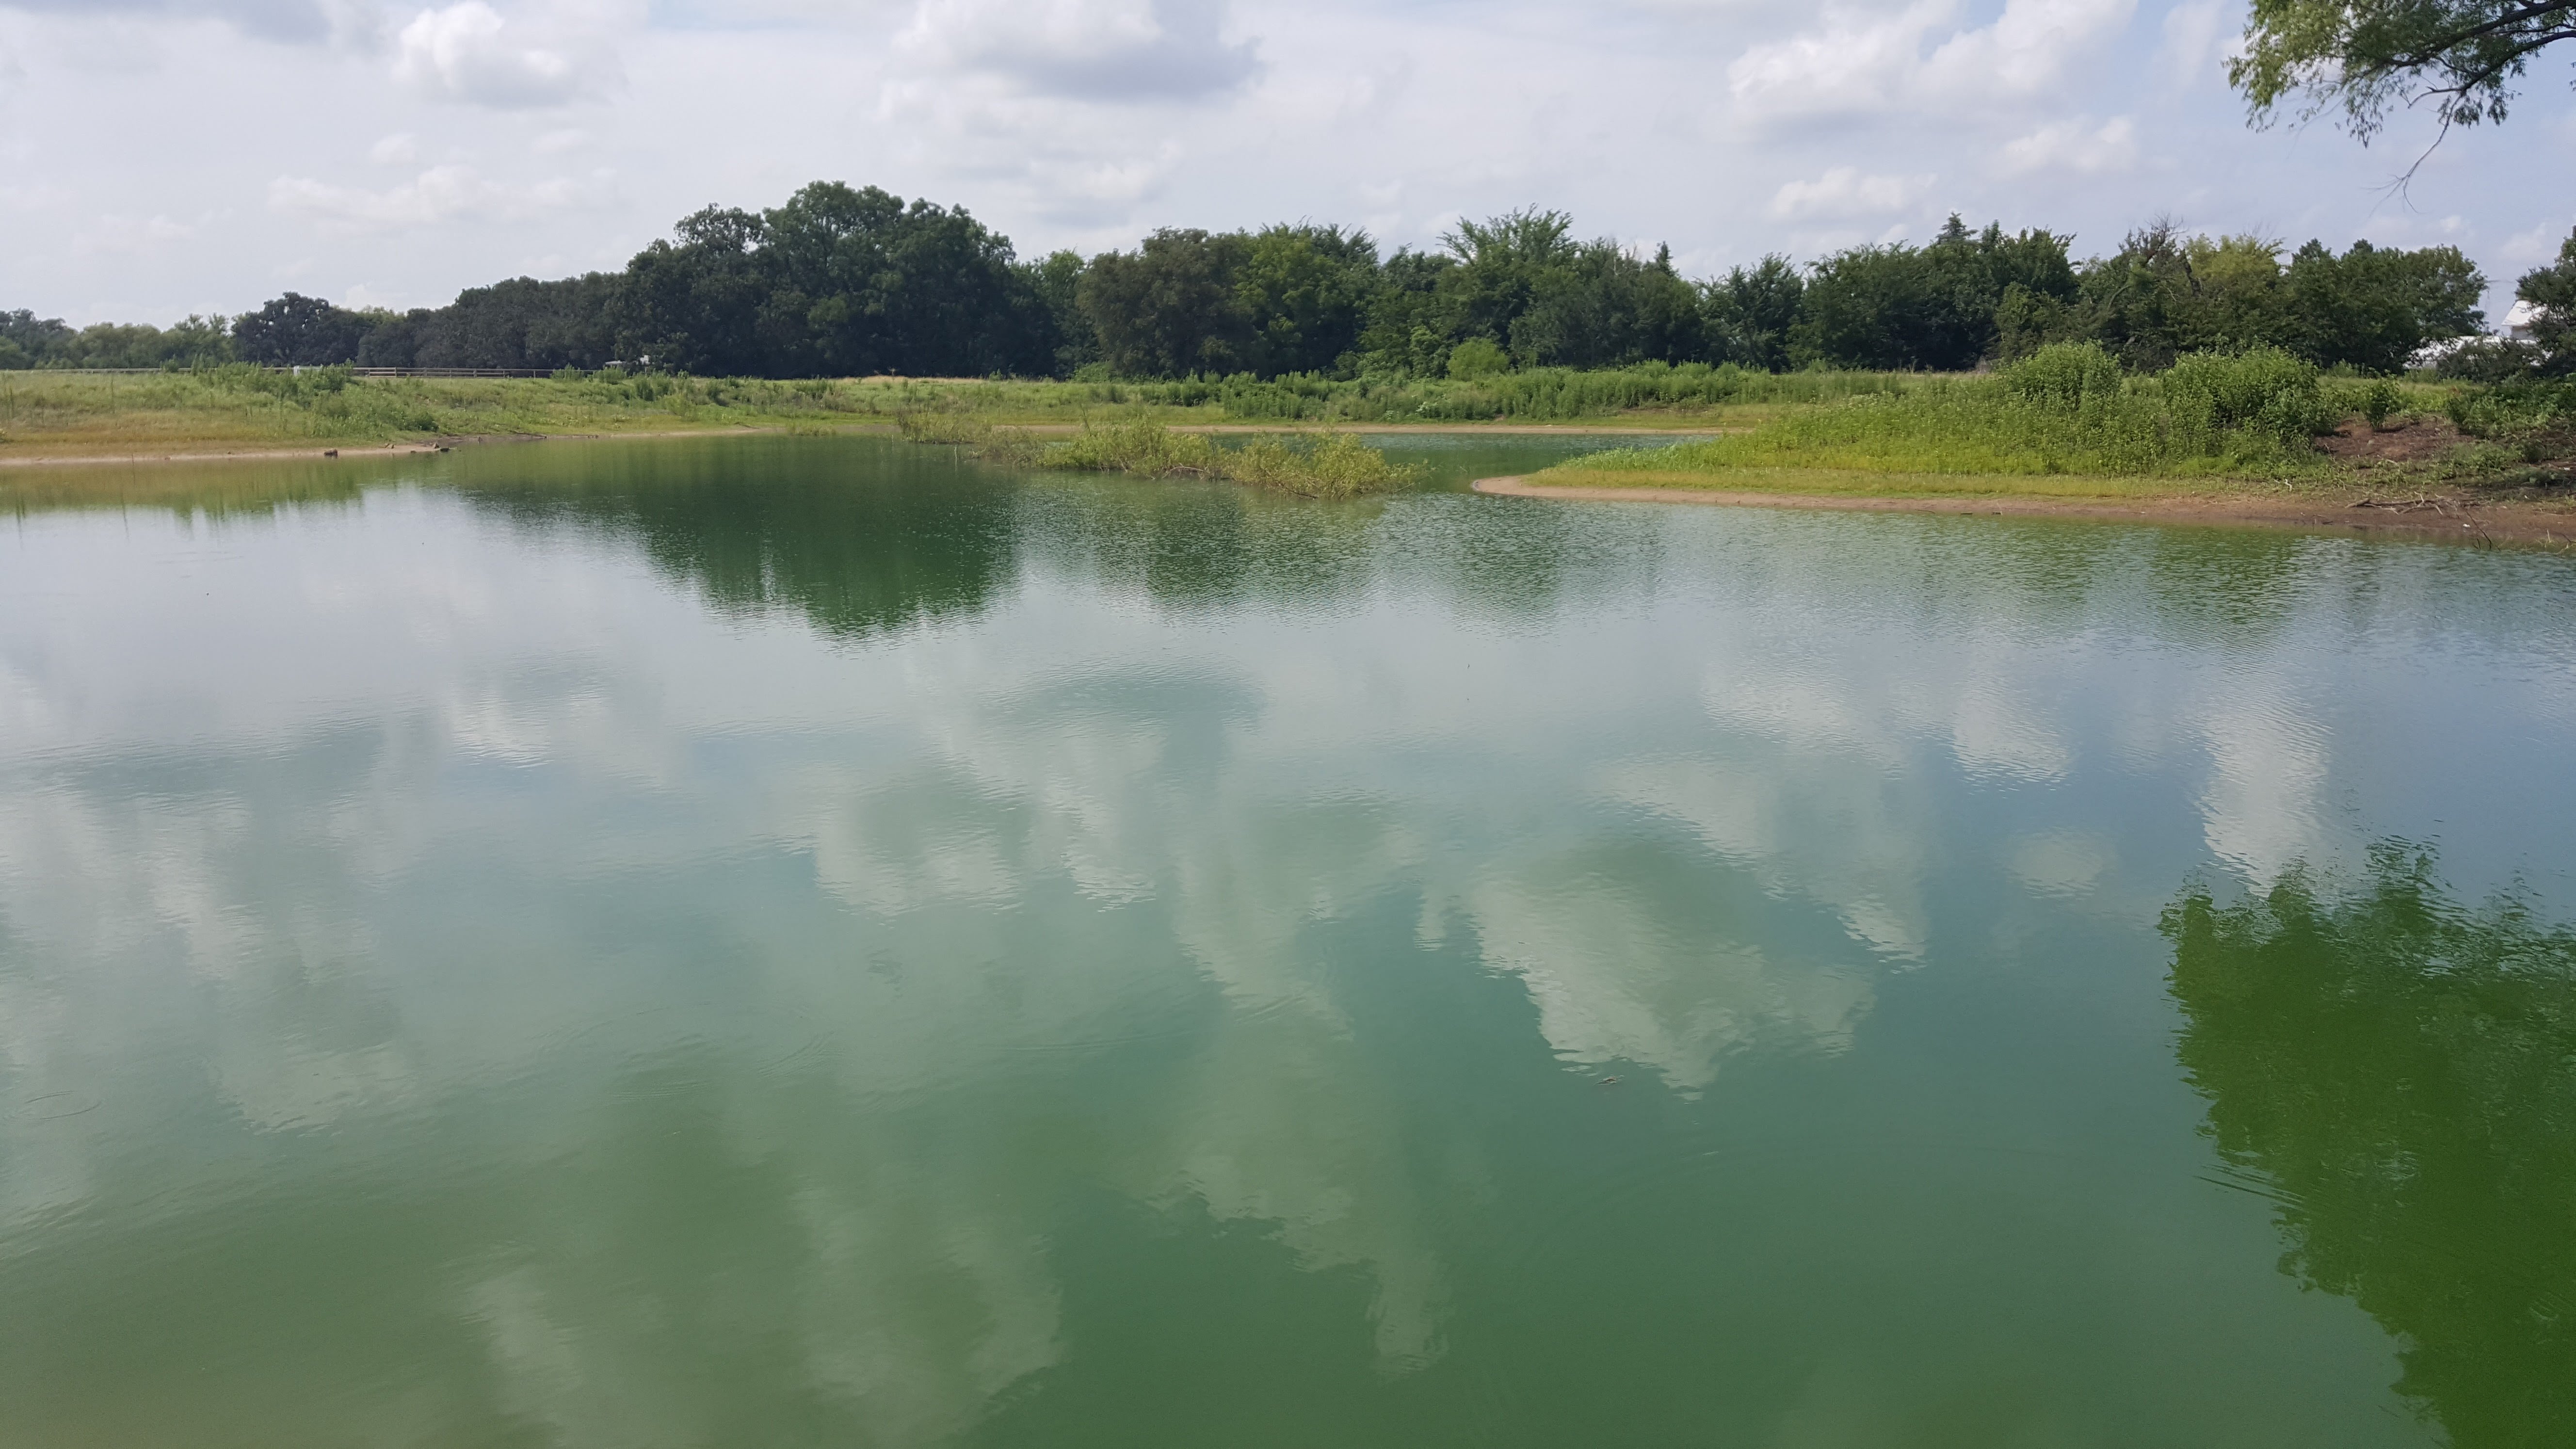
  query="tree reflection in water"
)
[{"x": 2398, "y": 1073}]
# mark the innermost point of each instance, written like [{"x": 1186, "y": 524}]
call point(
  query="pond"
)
[{"x": 809, "y": 941}]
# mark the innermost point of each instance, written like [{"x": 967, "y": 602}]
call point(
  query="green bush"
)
[
  {"x": 2065, "y": 376},
  {"x": 2511, "y": 410},
  {"x": 1335, "y": 465},
  {"x": 1476, "y": 357},
  {"x": 2261, "y": 390},
  {"x": 943, "y": 425},
  {"x": 2064, "y": 409},
  {"x": 2380, "y": 401}
]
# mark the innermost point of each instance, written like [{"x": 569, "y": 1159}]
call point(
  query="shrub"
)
[
  {"x": 1335, "y": 465},
  {"x": 2064, "y": 409},
  {"x": 942, "y": 425},
  {"x": 2532, "y": 421},
  {"x": 2380, "y": 401},
  {"x": 2261, "y": 390},
  {"x": 1476, "y": 357},
  {"x": 2064, "y": 376}
]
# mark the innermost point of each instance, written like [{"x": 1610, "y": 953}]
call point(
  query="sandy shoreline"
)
[{"x": 2450, "y": 519}]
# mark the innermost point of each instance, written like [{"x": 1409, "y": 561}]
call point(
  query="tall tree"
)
[
  {"x": 1413, "y": 319},
  {"x": 693, "y": 303},
  {"x": 1503, "y": 265},
  {"x": 2364, "y": 56},
  {"x": 2551, "y": 291},
  {"x": 1056, "y": 279},
  {"x": 1170, "y": 308},
  {"x": 2373, "y": 307},
  {"x": 299, "y": 331},
  {"x": 1932, "y": 307},
  {"x": 1601, "y": 307},
  {"x": 1305, "y": 292},
  {"x": 1749, "y": 311}
]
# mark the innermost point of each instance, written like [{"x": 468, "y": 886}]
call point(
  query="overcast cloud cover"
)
[{"x": 159, "y": 157}]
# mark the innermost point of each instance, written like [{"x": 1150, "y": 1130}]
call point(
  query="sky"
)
[{"x": 166, "y": 157}]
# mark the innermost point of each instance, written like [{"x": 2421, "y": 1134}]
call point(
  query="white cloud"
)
[
  {"x": 1843, "y": 194},
  {"x": 439, "y": 194},
  {"x": 2026, "y": 52},
  {"x": 467, "y": 52},
  {"x": 1860, "y": 64},
  {"x": 1095, "y": 50},
  {"x": 395, "y": 150},
  {"x": 2075, "y": 146},
  {"x": 2534, "y": 247},
  {"x": 1851, "y": 63},
  {"x": 126, "y": 236},
  {"x": 291, "y": 20},
  {"x": 2196, "y": 37}
]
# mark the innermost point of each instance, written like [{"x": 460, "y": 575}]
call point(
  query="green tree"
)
[
  {"x": 1521, "y": 282},
  {"x": 692, "y": 303},
  {"x": 522, "y": 323},
  {"x": 2363, "y": 56},
  {"x": 2398, "y": 1074},
  {"x": 298, "y": 331},
  {"x": 1057, "y": 280},
  {"x": 1601, "y": 307},
  {"x": 1748, "y": 313},
  {"x": 1932, "y": 307},
  {"x": 2165, "y": 294},
  {"x": 838, "y": 279},
  {"x": 2372, "y": 307},
  {"x": 1170, "y": 308},
  {"x": 27, "y": 340},
  {"x": 858, "y": 281},
  {"x": 1502, "y": 266},
  {"x": 2551, "y": 290},
  {"x": 1413, "y": 319},
  {"x": 1305, "y": 292}
]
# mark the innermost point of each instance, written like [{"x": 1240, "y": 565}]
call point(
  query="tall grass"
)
[
  {"x": 2066, "y": 409},
  {"x": 1548, "y": 394},
  {"x": 237, "y": 404},
  {"x": 241, "y": 404},
  {"x": 1331, "y": 465}
]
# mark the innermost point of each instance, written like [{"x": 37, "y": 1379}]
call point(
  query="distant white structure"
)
[
  {"x": 2432, "y": 353},
  {"x": 2519, "y": 321}
]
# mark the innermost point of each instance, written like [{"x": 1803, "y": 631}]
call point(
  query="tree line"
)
[{"x": 843, "y": 281}]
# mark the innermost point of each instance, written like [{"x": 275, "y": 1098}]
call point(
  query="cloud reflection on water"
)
[{"x": 1043, "y": 821}]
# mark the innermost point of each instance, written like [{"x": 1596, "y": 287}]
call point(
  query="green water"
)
[{"x": 782, "y": 942}]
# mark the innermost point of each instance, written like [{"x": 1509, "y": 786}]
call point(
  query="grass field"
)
[
  {"x": 241, "y": 408},
  {"x": 2067, "y": 423},
  {"x": 1880, "y": 483}
]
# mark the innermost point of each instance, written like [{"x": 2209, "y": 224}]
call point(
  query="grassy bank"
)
[
  {"x": 1310, "y": 465},
  {"x": 235, "y": 408},
  {"x": 239, "y": 407},
  {"x": 2067, "y": 423}
]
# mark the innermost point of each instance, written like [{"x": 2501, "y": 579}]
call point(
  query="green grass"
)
[
  {"x": 237, "y": 407},
  {"x": 1311, "y": 465},
  {"x": 1879, "y": 483},
  {"x": 2065, "y": 413}
]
